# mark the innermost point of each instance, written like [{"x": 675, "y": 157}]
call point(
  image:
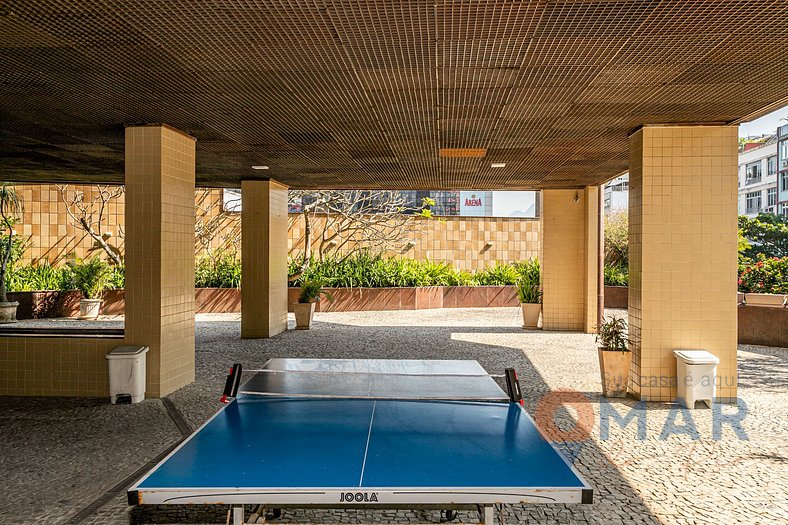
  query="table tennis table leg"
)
[
  {"x": 488, "y": 516},
  {"x": 238, "y": 516}
]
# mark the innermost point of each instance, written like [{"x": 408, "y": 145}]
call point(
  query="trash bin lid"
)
[
  {"x": 696, "y": 357},
  {"x": 126, "y": 351}
]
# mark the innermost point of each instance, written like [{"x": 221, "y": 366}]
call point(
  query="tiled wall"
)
[
  {"x": 52, "y": 232},
  {"x": 569, "y": 259},
  {"x": 682, "y": 273},
  {"x": 469, "y": 242},
  {"x": 160, "y": 253},
  {"x": 264, "y": 291},
  {"x": 46, "y": 366}
]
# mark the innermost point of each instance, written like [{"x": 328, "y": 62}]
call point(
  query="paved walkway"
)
[{"x": 68, "y": 460}]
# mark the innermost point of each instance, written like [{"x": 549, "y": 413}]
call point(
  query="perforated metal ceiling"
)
[{"x": 367, "y": 93}]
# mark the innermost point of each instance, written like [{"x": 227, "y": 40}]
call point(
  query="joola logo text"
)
[{"x": 358, "y": 497}]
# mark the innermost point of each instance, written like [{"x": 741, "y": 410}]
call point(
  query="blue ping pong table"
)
[{"x": 355, "y": 433}]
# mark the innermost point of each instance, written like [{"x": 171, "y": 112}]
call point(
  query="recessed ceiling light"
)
[
  {"x": 498, "y": 165},
  {"x": 259, "y": 167}
]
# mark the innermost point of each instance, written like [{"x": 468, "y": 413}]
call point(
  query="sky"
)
[{"x": 765, "y": 125}]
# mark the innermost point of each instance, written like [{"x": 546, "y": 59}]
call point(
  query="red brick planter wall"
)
[
  {"x": 228, "y": 300},
  {"x": 217, "y": 300},
  {"x": 616, "y": 296},
  {"x": 39, "y": 305},
  {"x": 419, "y": 298}
]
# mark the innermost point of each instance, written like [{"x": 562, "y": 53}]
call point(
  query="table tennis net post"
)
[
  {"x": 513, "y": 386},
  {"x": 232, "y": 383}
]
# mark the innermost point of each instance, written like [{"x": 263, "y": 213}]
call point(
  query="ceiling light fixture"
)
[
  {"x": 498, "y": 165},
  {"x": 259, "y": 167}
]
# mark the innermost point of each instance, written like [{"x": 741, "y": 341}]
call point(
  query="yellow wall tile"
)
[
  {"x": 682, "y": 256},
  {"x": 264, "y": 259},
  {"x": 569, "y": 259}
]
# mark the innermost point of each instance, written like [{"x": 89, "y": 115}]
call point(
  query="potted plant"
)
[
  {"x": 92, "y": 278},
  {"x": 529, "y": 292},
  {"x": 530, "y": 296},
  {"x": 304, "y": 309},
  {"x": 10, "y": 205},
  {"x": 614, "y": 356}
]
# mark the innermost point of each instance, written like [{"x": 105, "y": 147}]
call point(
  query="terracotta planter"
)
[
  {"x": 8, "y": 312},
  {"x": 614, "y": 368},
  {"x": 89, "y": 308},
  {"x": 303, "y": 314},
  {"x": 616, "y": 296},
  {"x": 531, "y": 313}
]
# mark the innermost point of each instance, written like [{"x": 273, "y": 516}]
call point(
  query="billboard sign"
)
[{"x": 475, "y": 203}]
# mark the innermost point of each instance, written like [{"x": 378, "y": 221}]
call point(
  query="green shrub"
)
[
  {"x": 616, "y": 276},
  {"x": 91, "y": 277},
  {"x": 462, "y": 278},
  {"x": 530, "y": 270},
  {"x": 764, "y": 275},
  {"x": 312, "y": 291},
  {"x": 117, "y": 277},
  {"x": 219, "y": 270},
  {"x": 19, "y": 245},
  {"x": 365, "y": 270},
  {"x": 39, "y": 277},
  {"x": 498, "y": 275},
  {"x": 617, "y": 238},
  {"x": 766, "y": 234},
  {"x": 612, "y": 334}
]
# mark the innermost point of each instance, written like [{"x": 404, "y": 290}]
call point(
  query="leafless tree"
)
[
  {"x": 355, "y": 219},
  {"x": 216, "y": 217},
  {"x": 88, "y": 214}
]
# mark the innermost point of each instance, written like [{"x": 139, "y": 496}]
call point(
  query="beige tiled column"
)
[
  {"x": 160, "y": 253},
  {"x": 682, "y": 253},
  {"x": 264, "y": 259},
  {"x": 569, "y": 259}
]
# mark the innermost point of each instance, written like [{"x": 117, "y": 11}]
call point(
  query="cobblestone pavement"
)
[{"x": 58, "y": 456}]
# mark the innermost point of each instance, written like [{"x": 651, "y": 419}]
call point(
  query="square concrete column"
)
[
  {"x": 682, "y": 253},
  {"x": 160, "y": 253},
  {"x": 570, "y": 220},
  {"x": 263, "y": 258}
]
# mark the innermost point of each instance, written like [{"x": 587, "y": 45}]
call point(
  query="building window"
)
[
  {"x": 771, "y": 196},
  {"x": 772, "y": 166},
  {"x": 784, "y": 154},
  {"x": 753, "y": 173},
  {"x": 784, "y": 183},
  {"x": 753, "y": 202}
]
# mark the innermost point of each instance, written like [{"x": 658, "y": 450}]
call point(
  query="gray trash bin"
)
[
  {"x": 696, "y": 371},
  {"x": 127, "y": 373}
]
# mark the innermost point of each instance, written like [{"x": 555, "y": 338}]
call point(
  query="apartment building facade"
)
[
  {"x": 758, "y": 178},
  {"x": 782, "y": 170},
  {"x": 616, "y": 194}
]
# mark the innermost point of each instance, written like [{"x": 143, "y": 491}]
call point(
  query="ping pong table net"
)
[{"x": 327, "y": 384}]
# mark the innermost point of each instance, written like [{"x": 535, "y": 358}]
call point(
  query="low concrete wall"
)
[
  {"x": 763, "y": 319},
  {"x": 55, "y": 366},
  {"x": 616, "y": 296},
  {"x": 763, "y": 325}
]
